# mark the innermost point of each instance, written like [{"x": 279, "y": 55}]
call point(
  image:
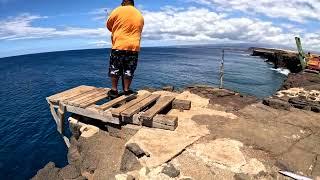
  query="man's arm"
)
[
  {"x": 110, "y": 22},
  {"x": 111, "y": 19}
]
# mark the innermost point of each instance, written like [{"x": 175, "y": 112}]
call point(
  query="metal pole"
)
[
  {"x": 301, "y": 53},
  {"x": 222, "y": 70}
]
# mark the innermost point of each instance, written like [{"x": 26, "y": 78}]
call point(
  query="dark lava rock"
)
[
  {"x": 224, "y": 93},
  {"x": 315, "y": 109},
  {"x": 231, "y": 100},
  {"x": 75, "y": 130},
  {"x": 74, "y": 156},
  {"x": 241, "y": 177},
  {"x": 168, "y": 88},
  {"x": 170, "y": 170},
  {"x": 129, "y": 162},
  {"x": 300, "y": 103},
  {"x": 136, "y": 150},
  {"x": 308, "y": 80},
  {"x": 69, "y": 172},
  {"x": 276, "y": 103},
  {"x": 90, "y": 163},
  {"x": 49, "y": 172}
]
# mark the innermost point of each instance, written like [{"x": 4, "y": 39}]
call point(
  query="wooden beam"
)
[
  {"x": 61, "y": 115},
  {"x": 69, "y": 93},
  {"x": 161, "y": 121},
  {"x": 119, "y": 110},
  {"x": 92, "y": 113},
  {"x": 55, "y": 117},
  {"x": 162, "y": 103},
  {"x": 181, "y": 104},
  {"x": 139, "y": 106},
  {"x": 84, "y": 98},
  {"x": 116, "y": 101}
]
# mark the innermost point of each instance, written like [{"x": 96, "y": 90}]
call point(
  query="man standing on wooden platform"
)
[{"x": 126, "y": 25}]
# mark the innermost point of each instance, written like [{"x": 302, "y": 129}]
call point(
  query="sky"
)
[{"x": 43, "y": 26}]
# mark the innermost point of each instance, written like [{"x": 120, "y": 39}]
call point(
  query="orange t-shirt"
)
[{"x": 126, "y": 24}]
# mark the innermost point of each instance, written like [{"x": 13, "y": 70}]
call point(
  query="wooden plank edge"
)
[
  {"x": 91, "y": 113},
  {"x": 54, "y": 98},
  {"x": 78, "y": 96}
]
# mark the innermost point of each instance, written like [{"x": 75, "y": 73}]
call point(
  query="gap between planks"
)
[
  {"x": 117, "y": 112},
  {"x": 139, "y": 106},
  {"x": 161, "y": 104},
  {"x": 116, "y": 101}
]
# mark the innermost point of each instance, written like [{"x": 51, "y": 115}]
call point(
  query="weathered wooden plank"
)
[
  {"x": 181, "y": 104},
  {"x": 85, "y": 98},
  {"x": 95, "y": 99},
  {"x": 116, "y": 101},
  {"x": 135, "y": 119},
  {"x": 93, "y": 113},
  {"x": 55, "y": 117},
  {"x": 92, "y": 99},
  {"x": 139, "y": 106},
  {"x": 162, "y": 103},
  {"x": 61, "y": 115},
  {"x": 79, "y": 96},
  {"x": 69, "y": 93},
  {"x": 119, "y": 110},
  {"x": 161, "y": 121}
]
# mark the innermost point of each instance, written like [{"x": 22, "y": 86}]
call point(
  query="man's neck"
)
[{"x": 127, "y": 5}]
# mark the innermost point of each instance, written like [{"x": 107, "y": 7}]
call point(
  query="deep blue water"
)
[{"x": 29, "y": 139}]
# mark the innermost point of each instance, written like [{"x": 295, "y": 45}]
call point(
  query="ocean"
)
[{"x": 29, "y": 139}]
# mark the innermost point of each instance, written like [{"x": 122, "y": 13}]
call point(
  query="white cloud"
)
[
  {"x": 204, "y": 25},
  {"x": 100, "y": 43},
  {"x": 294, "y": 10},
  {"x": 100, "y": 14},
  {"x": 21, "y": 27},
  {"x": 181, "y": 25}
]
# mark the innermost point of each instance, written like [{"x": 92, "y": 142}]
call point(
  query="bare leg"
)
[
  {"x": 115, "y": 83},
  {"x": 127, "y": 83}
]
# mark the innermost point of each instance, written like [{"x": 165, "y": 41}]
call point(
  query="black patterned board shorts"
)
[{"x": 123, "y": 63}]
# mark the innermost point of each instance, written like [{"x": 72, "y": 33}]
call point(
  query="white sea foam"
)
[{"x": 282, "y": 71}]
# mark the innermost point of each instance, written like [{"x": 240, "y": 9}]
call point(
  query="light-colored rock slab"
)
[
  {"x": 88, "y": 131},
  {"x": 253, "y": 167},
  {"x": 163, "y": 145},
  {"x": 222, "y": 153}
]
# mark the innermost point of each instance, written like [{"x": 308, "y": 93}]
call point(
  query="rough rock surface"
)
[
  {"x": 223, "y": 136},
  {"x": 49, "y": 172},
  {"x": 170, "y": 170},
  {"x": 129, "y": 162},
  {"x": 307, "y": 80},
  {"x": 70, "y": 172},
  {"x": 276, "y": 103},
  {"x": 226, "y": 99}
]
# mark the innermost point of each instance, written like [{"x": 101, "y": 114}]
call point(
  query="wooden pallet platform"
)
[{"x": 83, "y": 100}]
